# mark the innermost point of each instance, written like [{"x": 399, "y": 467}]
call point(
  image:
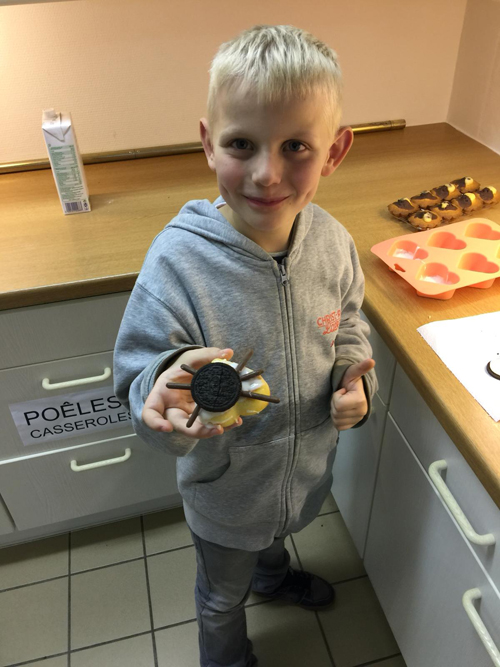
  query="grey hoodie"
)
[{"x": 203, "y": 284}]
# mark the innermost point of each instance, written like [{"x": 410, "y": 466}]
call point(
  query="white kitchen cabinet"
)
[
  {"x": 354, "y": 472},
  {"x": 430, "y": 444},
  {"x": 56, "y": 485},
  {"x": 421, "y": 566},
  {"x": 358, "y": 450}
]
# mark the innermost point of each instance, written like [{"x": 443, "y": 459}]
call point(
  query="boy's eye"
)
[
  {"x": 243, "y": 144},
  {"x": 240, "y": 144},
  {"x": 296, "y": 146}
]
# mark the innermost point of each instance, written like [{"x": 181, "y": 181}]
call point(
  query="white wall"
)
[
  {"x": 475, "y": 100},
  {"x": 133, "y": 73}
]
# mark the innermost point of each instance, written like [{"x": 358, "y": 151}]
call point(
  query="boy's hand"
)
[
  {"x": 166, "y": 410},
  {"x": 349, "y": 405}
]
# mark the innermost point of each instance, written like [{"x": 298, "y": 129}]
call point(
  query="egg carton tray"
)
[{"x": 438, "y": 262}]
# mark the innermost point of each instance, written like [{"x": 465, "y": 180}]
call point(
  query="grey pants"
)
[{"x": 224, "y": 580}]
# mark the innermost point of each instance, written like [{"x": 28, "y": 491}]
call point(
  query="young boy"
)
[{"x": 259, "y": 268}]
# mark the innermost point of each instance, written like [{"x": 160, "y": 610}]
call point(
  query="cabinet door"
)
[
  {"x": 54, "y": 487},
  {"x": 431, "y": 443},
  {"x": 420, "y": 566},
  {"x": 355, "y": 470}
]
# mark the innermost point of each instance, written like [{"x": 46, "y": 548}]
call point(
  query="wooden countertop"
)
[{"x": 46, "y": 256}]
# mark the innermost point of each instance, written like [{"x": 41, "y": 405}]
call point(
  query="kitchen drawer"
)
[
  {"x": 59, "y": 330},
  {"x": 81, "y": 420},
  {"x": 44, "y": 489},
  {"x": 421, "y": 566},
  {"x": 385, "y": 360},
  {"x": 430, "y": 443}
]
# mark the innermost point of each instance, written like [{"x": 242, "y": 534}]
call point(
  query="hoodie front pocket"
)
[{"x": 250, "y": 490}]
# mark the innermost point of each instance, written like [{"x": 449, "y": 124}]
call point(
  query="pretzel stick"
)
[
  {"x": 260, "y": 397},
  {"x": 244, "y": 361},
  {"x": 178, "y": 385},
  {"x": 253, "y": 374},
  {"x": 188, "y": 369},
  {"x": 191, "y": 419}
]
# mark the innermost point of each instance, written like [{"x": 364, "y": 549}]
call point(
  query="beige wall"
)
[
  {"x": 475, "y": 100},
  {"x": 133, "y": 73}
]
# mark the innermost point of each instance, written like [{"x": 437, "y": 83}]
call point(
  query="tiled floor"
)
[{"x": 121, "y": 595}]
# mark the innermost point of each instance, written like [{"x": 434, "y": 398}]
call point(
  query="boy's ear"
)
[
  {"x": 338, "y": 150},
  {"x": 207, "y": 143}
]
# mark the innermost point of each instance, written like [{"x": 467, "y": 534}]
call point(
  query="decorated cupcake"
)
[
  {"x": 466, "y": 184},
  {"x": 425, "y": 199},
  {"x": 425, "y": 219},
  {"x": 470, "y": 202},
  {"x": 448, "y": 210},
  {"x": 402, "y": 208},
  {"x": 447, "y": 191},
  {"x": 489, "y": 195}
]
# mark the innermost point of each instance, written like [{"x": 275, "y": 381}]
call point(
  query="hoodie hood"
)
[{"x": 202, "y": 217}]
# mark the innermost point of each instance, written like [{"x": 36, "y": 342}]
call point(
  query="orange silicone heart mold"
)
[
  {"x": 474, "y": 261},
  {"x": 446, "y": 240},
  {"x": 436, "y": 263},
  {"x": 434, "y": 272},
  {"x": 480, "y": 230},
  {"x": 408, "y": 250}
]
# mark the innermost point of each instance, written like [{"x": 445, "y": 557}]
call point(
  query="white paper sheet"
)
[{"x": 466, "y": 346}]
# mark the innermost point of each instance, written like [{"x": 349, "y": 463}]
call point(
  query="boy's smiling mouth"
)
[{"x": 265, "y": 202}]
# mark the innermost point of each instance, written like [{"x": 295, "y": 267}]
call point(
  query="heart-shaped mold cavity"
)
[
  {"x": 408, "y": 250},
  {"x": 434, "y": 272},
  {"x": 446, "y": 240},
  {"x": 474, "y": 261},
  {"x": 480, "y": 230}
]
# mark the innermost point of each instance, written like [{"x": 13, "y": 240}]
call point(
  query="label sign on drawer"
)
[{"x": 63, "y": 417}]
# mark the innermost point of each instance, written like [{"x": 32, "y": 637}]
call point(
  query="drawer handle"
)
[
  {"x": 484, "y": 635},
  {"x": 434, "y": 472},
  {"x": 46, "y": 384},
  {"x": 100, "y": 464}
]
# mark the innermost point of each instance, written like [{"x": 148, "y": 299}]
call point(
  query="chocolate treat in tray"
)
[
  {"x": 445, "y": 203},
  {"x": 446, "y": 192},
  {"x": 489, "y": 196},
  {"x": 425, "y": 199},
  {"x": 402, "y": 208},
  {"x": 437, "y": 262},
  {"x": 466, "y": 184},
  {"x": 224, "y": 391},
  {"x": 425, "y": 219},
  {"x": 448, "y": 210}
]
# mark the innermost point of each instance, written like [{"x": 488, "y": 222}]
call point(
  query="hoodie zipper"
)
[
  {"x": 283, "y": 275},
  {"x": 284, "y": 282}
]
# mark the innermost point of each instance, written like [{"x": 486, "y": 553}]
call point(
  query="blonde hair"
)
[{"x": 278, "y": 63}]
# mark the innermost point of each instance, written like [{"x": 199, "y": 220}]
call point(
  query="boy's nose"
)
[{"x": 267, "y": 170}]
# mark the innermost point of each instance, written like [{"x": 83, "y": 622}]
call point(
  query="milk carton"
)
[{"x": 66, "y": 161}]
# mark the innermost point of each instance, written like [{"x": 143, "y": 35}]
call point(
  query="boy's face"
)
[{"x": 268, "y": 161}]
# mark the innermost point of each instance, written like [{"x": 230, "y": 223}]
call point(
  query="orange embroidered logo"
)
[{"x": 329, "y": 322}]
